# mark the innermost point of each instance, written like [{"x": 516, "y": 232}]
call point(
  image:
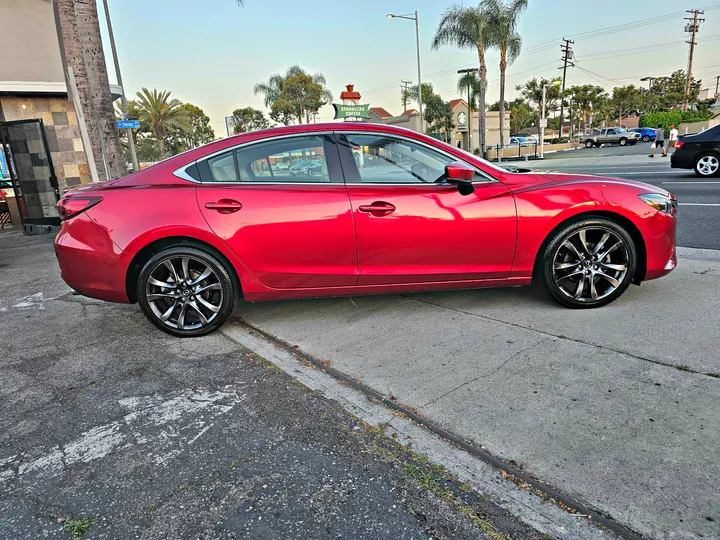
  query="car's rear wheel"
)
[
  {"x": 186, "y": 292},
  {"x": 588, "y": 144},
  {"x": 598, "y": 145},
  {"x": 623, "y": 141},
  {"x": 588, "y": 263},
  {"x": 646, "y": 138},
  {"x": 707, "y": 165}
]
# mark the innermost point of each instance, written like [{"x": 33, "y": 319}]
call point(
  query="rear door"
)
[
  {"x": 289, "y": 224},
  {"x": 411, "y": 226}
]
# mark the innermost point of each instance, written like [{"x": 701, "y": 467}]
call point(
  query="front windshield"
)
[
  {"x": 484, "y": 161},
  {"x": 620, "y": 130}
]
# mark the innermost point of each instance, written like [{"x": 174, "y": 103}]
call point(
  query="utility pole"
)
[
  {"x": 717, "y": 85},
  {"x": 123, "y": 99},
  {"x": 469, "y": 104},
  {"x": 691, "y": 27},
  {"x": 566, "y": 49},
  {"x": 404, "y": 93}
]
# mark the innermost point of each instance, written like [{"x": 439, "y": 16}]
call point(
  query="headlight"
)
[{"x": 667, "y": 205}]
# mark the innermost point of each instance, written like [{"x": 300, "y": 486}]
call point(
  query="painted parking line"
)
[{"x": 698, "y": 204}]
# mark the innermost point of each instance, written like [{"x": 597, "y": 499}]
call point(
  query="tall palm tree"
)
[
  {"x": 502, "y": 34},
  {"x": 161, "y": 113},
  {"x": 464, "y": 27},
  {"x": 82, "y": 50},
  {"x": 469, "y": 83}
]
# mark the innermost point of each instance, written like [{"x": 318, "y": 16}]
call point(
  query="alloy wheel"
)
[
  {"x": 184, "y": 293},
  {"x": 590, "y": 264},
  {"x": 707, "y": 165}
]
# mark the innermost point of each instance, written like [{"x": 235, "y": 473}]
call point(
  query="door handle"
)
[
  {"x": 224, "y": 206},
  {"x": 379, "y": 208}
]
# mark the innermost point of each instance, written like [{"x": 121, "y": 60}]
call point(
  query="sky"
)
[{"x": 212, "y": 53}]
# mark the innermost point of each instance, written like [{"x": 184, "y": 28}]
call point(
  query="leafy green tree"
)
[
  {"x": 521, "y": 115},
  {"x": 501, "y": 32},
  {"x": 587, "y": 98},
  {"x": 439, "y": 116},
  {"x": 299, "y": 94},
  {"x": 249, "y": 119},
  {"x": 532, "y": 92},
  {"x": 161, "y": 114},
  {"x": 199, "y": 131},
  {"x": 671, "y": 90},
  {"x": 464, "y": 27},
  {"x": 626, "y": 99}
]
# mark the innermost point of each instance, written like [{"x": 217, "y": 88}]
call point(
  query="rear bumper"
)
[
  {"x": 89, "y": 261},
  {"x": 660, "y": 243},
  {"x": 682, "y": 160}
]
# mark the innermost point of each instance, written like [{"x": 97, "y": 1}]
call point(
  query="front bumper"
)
[
  {"x": 660, "y": 236},
  {"x": 89, "y": 261}
]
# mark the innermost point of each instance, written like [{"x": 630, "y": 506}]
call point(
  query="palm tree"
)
[
  {"x": 469, "y": 83},
  {"x": 464, "y": 27},
  {"x": 161, "y": 113},
  {"x": 502, "y": 34},
  {"x": 82, "y": 50},
  {"x": 272, "y": 90}
]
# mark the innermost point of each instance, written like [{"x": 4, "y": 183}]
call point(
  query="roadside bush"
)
[
  {"x": 670, "y": 118},
  {"x": 559, "y": 140}
]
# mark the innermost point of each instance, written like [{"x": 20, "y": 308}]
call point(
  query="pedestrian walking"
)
[
  {"x": 673, "y": 137},
  {"x": 659, "y": 141}
]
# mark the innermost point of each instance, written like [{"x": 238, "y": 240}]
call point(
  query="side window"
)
[
  {"x": 295, "y": 159},
  {"x": 222, "y": 168},
  {"x": 611, "y": 132},
  {"x": 384, "y": 159}
]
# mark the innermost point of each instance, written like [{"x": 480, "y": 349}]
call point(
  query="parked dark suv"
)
[{"x": 700, "y": 152}]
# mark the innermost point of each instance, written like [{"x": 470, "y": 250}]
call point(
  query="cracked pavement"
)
[
  {"x": 103, "y": 417},
  {"x": 618, "y": 406}
]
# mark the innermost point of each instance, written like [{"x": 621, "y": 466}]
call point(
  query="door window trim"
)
[
  {"x": 348, "y": 162},
  {"x": 332, "y": 157}
]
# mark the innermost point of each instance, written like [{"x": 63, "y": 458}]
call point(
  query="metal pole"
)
[
  {"x": 469, "y": 122},
  {"x": 123, "y": 99},
  {"x": 542, "y": 126},
  {"x": 420, "y": 101}
]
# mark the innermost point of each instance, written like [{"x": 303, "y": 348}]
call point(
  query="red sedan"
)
[{"x": 346, "y": 209}]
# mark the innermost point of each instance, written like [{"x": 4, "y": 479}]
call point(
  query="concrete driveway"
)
[{"x": 619, "y": 406}]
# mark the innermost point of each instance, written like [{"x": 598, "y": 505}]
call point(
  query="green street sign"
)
[{"x": 351, "y": 111}]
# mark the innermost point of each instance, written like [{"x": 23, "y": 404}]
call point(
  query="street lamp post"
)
[
  {"x": 543, "y": 120},
  {"x": 469, "y": 118},
  {"x": 414, "y": 17}
]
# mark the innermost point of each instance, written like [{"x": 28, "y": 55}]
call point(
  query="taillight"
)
[
  {"x": 679, "y": 144},
  {"x": 72, "y": 206}
]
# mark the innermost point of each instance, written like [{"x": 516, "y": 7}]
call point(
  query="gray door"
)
[{"x": 32, "y": 173}]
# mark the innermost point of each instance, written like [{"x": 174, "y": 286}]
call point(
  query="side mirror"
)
[{"x": 460, "y": 174}]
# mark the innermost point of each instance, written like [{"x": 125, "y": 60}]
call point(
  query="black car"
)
[{"x": 700, "y": 152}]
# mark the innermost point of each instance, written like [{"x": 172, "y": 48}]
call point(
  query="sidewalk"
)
[
  {"x": 618, "y": 406},
  {"x": 113, "y": 429}
]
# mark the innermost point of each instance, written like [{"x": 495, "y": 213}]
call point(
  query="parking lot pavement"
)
[
  {"x": 619, "y": 406},
  {"x": 106, "y": 424}
]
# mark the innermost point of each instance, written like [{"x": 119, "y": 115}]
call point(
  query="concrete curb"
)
[{"x": 483, "y": 477}]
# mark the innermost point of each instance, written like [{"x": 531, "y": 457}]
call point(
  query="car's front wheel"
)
[
  {"x": 186, "y": 291},
  {"x": 623, "y": 141},
  {"x": 707, "y": 165},
  {"x": 588, "y": 263},
  {"x": 588, "y": 144}
]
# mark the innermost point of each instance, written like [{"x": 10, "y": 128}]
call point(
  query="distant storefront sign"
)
[
  {"x": 351, "y": 111},
  {"x": 462, "y": 120}
]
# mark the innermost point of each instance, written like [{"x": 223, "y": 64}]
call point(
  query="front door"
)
[
  {"x": 413, "y": 227},
  {"x": 281, "y": 206},
  {"x": 31, "y": 170}
]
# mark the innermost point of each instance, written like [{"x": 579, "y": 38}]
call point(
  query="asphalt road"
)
[{"x": 699, "y": 198}]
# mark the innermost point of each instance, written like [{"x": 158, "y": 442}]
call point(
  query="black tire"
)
[
  {"x": 218, "y": 290},
  {"x": 554, "y": 249},
  {"x": 598, "y": 145},
  {"x": 706, "y": 170},
  {"x": 589, "y": 143},
  {"x": 646, "y": 138},
  {"x": 623, "y": 141}
]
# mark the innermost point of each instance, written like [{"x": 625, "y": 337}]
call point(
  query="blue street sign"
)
[{"x": 128, "y": 124}]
